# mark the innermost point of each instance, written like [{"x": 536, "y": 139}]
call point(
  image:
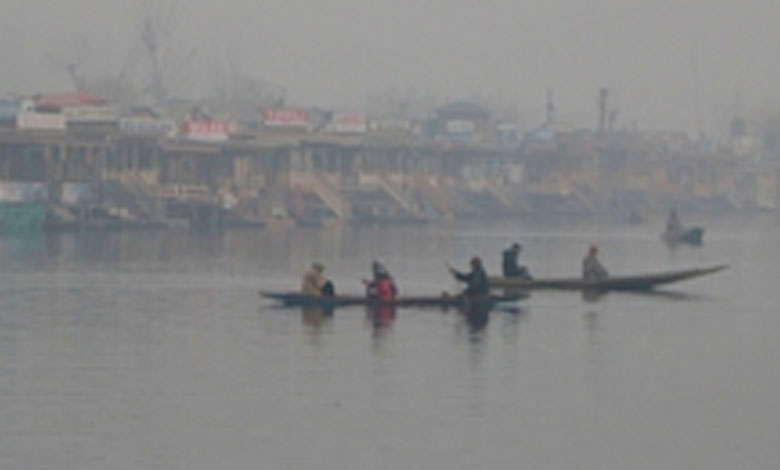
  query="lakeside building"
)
[{"x": 73, "y": 161}]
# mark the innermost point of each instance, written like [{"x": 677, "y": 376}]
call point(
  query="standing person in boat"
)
[
  {"x": 477, "y": 284},
  {"x": 592, "y": 269},
  {"x": 382, "y": 286},
  {"x": 511, "y": 268},
  {"x": 314, "y": 282},
  {"x": 673, "y": 223}
]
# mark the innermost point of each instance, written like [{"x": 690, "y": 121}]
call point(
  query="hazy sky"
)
[{"x": 658, "y": 57}]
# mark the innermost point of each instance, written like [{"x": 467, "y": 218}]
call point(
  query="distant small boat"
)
[
  {"x": 635, "y": 218},
  {"x": 297, "y": 299},
  {"x": 690, "y": 236},
  {"x": 640, "y": 282}
]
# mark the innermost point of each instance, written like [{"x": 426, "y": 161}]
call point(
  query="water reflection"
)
[
  {"x": 593, "y": 332},
  {"x": 114, "y": 332},
  {"x": 476, "y": 317},
  {"x": 22, "y": 247},
  {"x": 381, "y": 317},
  {"x": 595, "y": 296},
  {"x": 669, "y": 295},
  {"x": 589, "y": 295},
  {"x": 315, "y": 319}
]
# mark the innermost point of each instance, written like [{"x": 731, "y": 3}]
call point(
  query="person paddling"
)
[
  {"x": 381, "y": 287},
  {"x": 477, "y": 284}
]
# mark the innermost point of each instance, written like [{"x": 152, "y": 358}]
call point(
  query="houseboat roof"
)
[{"x": 60, "y": 100}]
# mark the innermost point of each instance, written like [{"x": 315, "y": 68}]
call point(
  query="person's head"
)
[
  {"x": 516, "y": 247},
  {"x": 318, "y": 267},
  {"x": 377, "y": 267},
  {"x": 476, "y": 262},
  {"x": 593, "y": 250}
]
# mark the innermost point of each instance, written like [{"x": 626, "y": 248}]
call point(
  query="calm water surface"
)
[{"x": 154, "y": 351}]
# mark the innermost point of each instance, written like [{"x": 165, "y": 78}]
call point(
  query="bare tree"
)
[
  {"x": 397, "y": 103},
  {"x": 116, "y": 86},
  {"x": 166, "y": 60},
  {"x": 155, "y": 63},
  {"x": 238, "y": 92},
  {"x": 73, "y": 60}
]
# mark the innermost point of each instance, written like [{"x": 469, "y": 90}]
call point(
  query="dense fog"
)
[{"x": 669, "y": 64}]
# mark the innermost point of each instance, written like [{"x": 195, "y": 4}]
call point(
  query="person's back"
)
[
  {"x": 673, "y": 223},
  {"x": 385, "y": 288},
  {"x": 382, "y": 286},
  {"x": 477, "y": 283},
  {"x": 510, "y": 266},
  {"x": 592, "y": 269},
  {"x": 479, "y": 286},
  {"x": 313, "y": 280},
  {"x": 510, "y": 262}
]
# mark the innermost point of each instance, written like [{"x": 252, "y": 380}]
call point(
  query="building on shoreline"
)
[{"x": 76, "y": 164}]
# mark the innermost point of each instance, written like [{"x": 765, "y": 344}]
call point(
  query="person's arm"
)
[{"x": 462, "y": 277}]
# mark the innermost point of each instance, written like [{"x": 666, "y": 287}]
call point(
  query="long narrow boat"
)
[
  {"x": 297, "y": 299},
  {"x": 641, "y": 282}
]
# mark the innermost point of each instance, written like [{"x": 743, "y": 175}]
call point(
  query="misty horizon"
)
[{"x": 668, "y": 65}]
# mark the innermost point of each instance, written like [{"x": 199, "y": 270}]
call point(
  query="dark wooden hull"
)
[
  {"x": 690, "y": 236},
  {"x": 642, "y": 282},
  {"x": 296, "y": 299}
]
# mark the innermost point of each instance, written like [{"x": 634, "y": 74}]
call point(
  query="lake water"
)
[{"x": 152, "y": 350}]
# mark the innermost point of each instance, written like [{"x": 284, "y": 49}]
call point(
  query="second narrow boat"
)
[{"x": 639, "y": 282}]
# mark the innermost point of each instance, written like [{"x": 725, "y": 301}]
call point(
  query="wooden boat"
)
[
  {"x": 640, "y": 282},
  {"x": 297, "y": 299},
  {"x": 690, "y": 236}
]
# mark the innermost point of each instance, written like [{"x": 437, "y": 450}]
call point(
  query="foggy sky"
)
[{"x": 659, "y": 58}]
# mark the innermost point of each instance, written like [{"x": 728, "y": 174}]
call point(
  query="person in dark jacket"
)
[
  {"x": 511, "y": 268},
  {"x": 477, "y": 284},
  {"x": 592, "y": 269},
  {"x": 673, "y": 223}
]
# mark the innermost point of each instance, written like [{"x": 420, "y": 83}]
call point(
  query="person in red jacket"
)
[{"x": 381, "y": 287}]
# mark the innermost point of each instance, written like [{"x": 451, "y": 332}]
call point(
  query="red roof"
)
[{"x": 68, "y": 99}]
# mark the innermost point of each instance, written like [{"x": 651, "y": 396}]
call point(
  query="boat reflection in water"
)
[
  {"x": 316, "y": 317},
  {"x": 381, "y": 317},
  {"x": 477, "y": 316},
  {"x": 590, "y": 295}
]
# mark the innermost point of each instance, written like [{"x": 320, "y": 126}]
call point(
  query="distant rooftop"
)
[
  {"x": 463, "y": 109},
  {"x": 59, "y": 100}
]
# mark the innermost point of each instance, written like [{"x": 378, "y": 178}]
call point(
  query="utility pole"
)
[
  {"x": 550, "y": 116},
  {"x": 602, "y": 109}
]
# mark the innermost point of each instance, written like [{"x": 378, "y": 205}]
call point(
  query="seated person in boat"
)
[
  {"x": 592, "y": 268},
  {"x": 382, "y": 286},
  {"x": 477, "y": 284},
  {"x": 511, "y": 267},
  {"x": 314, "y": 282},
  {"x": 673, "y": 223}
]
